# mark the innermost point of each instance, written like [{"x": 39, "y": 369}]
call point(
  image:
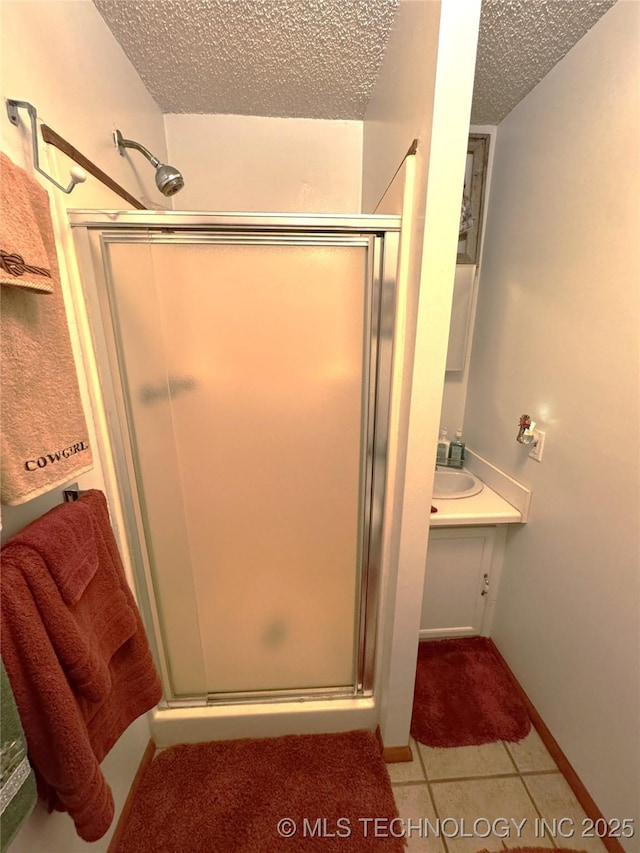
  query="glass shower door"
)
[{"x": 248, "y": 364}]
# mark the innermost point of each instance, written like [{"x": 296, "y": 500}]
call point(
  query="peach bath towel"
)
[
  {"x": 76, "y": 654},
  {"x": 44, "y": 434},
  {"x": 24, "y": 261}
]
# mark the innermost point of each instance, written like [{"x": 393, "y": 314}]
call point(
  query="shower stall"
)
[{"x": 245, "y": 363}]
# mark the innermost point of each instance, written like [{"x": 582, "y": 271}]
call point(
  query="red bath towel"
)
[{"x": 76, "y": 654}]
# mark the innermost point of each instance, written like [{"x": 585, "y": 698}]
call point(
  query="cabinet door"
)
[{"x": 458, "y": 560}]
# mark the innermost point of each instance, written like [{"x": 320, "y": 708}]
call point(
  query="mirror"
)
[{"x": 473, "y": 198}]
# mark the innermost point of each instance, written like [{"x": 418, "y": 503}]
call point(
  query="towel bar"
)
[{"x": 78, "y": 175}]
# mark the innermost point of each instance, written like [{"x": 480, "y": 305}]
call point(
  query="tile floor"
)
[{"x": 490, "y": 797}]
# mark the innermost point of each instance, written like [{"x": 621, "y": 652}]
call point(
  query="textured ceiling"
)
[
  {"x": 319, "y": 58},
  {"x": 519, "y": 43},
  {"x": 295, "y": 58}
]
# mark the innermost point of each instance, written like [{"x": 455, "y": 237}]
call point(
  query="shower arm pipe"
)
[
  {"x": 53, "y": 138},
  {"x": 130, "y": 143}
]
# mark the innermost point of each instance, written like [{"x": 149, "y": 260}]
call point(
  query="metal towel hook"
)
[{"x": 78, "y": 175}]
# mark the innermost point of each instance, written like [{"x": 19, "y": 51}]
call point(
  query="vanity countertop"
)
[{"x": 487, "y": 507}]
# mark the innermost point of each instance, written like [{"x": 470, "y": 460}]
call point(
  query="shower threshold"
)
[
  {"x": 173, "y": 725},
  {"x": 254, "y": 697}
]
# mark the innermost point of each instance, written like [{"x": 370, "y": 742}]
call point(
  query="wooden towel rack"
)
[
  {"x": 53, "y": 138},
  {"x": 67, "y": 148}
]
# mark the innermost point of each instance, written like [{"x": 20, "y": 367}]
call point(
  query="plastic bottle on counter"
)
[
  {"x": 456, "y": 451},
  {"x": 442, "y": 453}
]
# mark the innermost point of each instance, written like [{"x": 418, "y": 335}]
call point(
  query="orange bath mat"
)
[
  {"x": 464, "y": 697},
  {"x": 300, "y": 792}
]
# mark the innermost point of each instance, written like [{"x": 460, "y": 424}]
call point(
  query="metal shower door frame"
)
[{"x": 93, "y": 230}]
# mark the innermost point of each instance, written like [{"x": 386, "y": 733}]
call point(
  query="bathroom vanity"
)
[{"x": 464, "y": 564}]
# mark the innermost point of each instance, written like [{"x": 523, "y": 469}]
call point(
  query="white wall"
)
[
  {"x": 415, "y": 97},
  {"x": 401, "y": 106},
  {"x": 61, "y": 57},
  {"x": 277, "y": 165},
  {"x": 557, "y": 337}
]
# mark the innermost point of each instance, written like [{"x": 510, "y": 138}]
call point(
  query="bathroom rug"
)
[
  {"x": 464, "y": 697},
  {"x": 316, "y": 793}
]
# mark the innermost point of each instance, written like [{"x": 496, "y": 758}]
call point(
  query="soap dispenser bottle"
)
[
  {"x": 456, "y": 451},
  {"x": 442, "y": 453}
]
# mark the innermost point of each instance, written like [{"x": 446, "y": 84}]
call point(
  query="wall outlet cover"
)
[{"x": 538, "y": 445}]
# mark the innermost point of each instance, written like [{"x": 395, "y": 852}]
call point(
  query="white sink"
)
[{"x": 455, "y": 484}]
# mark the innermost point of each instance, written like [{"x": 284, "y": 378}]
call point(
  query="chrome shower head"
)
[{"x": 169, "y": 180}]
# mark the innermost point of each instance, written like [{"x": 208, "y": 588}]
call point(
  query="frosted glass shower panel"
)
[
  {"x": 147, "y": 384},
  {"x": 266, "y": 346}
]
